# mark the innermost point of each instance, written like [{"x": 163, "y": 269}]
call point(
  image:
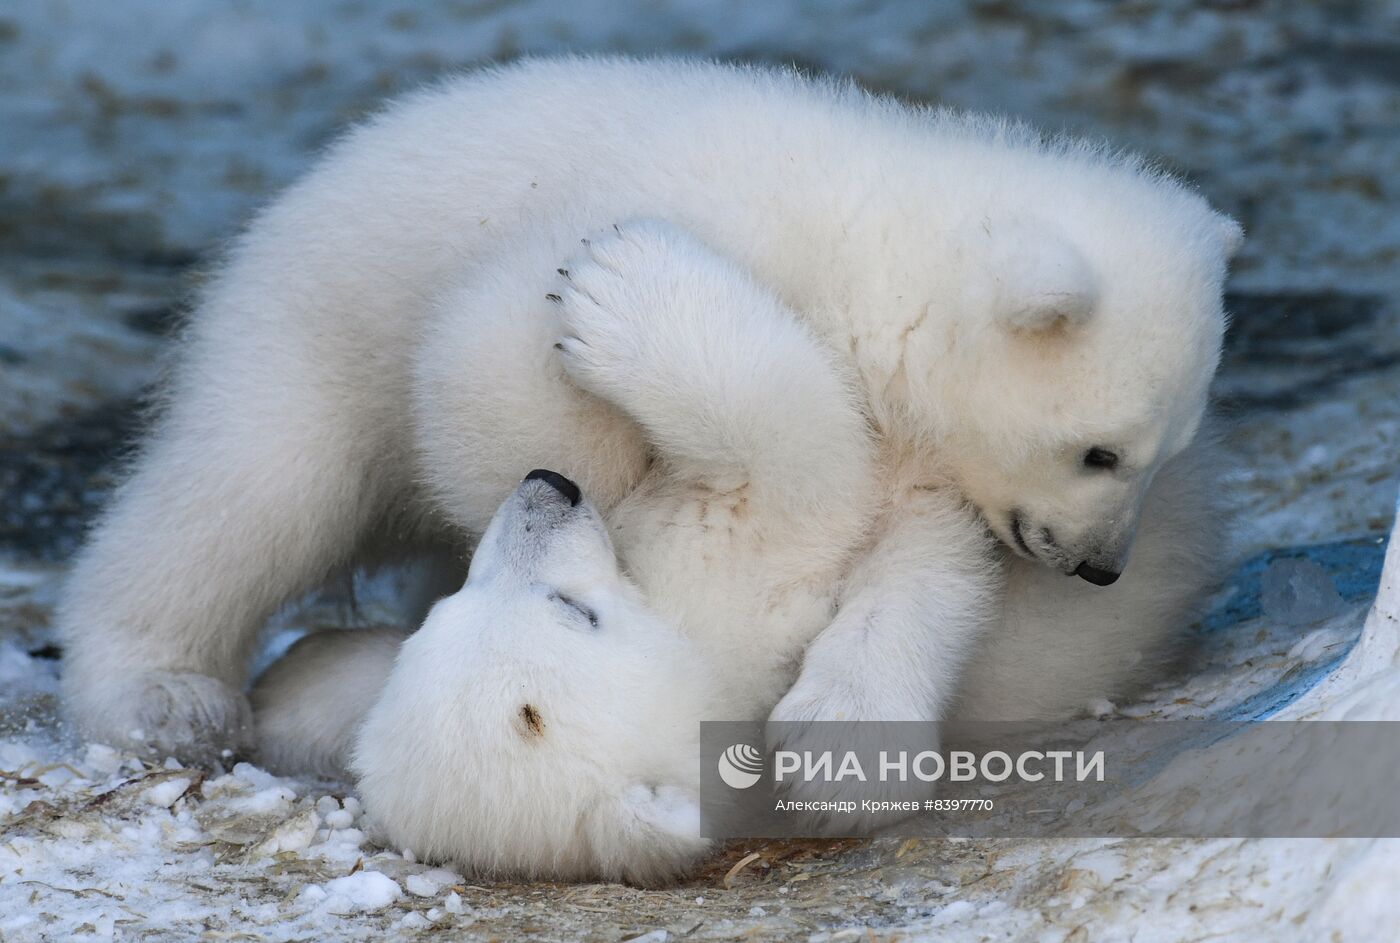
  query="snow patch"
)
[{"x": 364, "y": 890}]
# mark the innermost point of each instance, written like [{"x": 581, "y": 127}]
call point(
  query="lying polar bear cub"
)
[{"x": 543, "y": 723}]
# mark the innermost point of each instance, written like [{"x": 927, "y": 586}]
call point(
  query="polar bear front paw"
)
[
  {"x": 627, "y": 307},
  {"x": 817, "y": 718},
  {"x": 833, "y": 696}
]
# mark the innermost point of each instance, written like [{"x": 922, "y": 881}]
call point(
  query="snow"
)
[
  {"x": 364, "y": 890},
  {"x": 428, "y": 883},
  {"x": 165, "y": 794},
  {"x": 139, "y": 135},
  {"x": 340, "y": 819}
]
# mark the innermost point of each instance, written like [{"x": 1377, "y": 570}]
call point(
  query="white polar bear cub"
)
[
  {"x": 1028, "y": 330},
  {"x": 544, "y": 722}
]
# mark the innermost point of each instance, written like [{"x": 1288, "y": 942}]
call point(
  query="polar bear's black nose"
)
[
  {"x": 1096, "y": 576},
  {"x": 558, "y": 482}
]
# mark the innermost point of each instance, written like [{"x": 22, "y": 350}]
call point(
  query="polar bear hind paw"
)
[{"x": 194, "y": 717}]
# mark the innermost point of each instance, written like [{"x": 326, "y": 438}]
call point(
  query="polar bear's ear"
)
[
  {"x": 1043, "y": 282},
  {"x": 651, "y": 834},
  {"x": 1231, "y": 235},
  {"x": 670, "y": 812}
]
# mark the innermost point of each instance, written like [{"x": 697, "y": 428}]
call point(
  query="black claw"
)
[
  {"x": 563, "y": 271},
  {"x": 584, "y": 241},
  {"x": 559, "y": 345},
  {"x": 553, "y": 297}
]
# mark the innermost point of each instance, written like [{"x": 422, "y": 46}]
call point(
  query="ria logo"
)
[{"x": 740, "y": 766}]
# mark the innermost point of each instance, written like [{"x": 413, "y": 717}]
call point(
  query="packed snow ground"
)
[{"x": 138, "y": 135}]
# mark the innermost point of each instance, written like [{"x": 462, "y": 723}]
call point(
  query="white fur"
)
[
  {"x": 598, "y": 780},
  {"x": 516, "y": 739},
  {"x": 376, "y": 358},
  {"x": 308, "y": 705}
]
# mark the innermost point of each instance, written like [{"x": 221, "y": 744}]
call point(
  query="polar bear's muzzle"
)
[{"x": 1098, "y": 559}]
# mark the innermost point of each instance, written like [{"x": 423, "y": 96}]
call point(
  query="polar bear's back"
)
[
  {"x": 774, "y": 168},
  {"x": 336, "y": 275},
  {"x": 533, "y": 156},
  {"x": 839, "y": 200}
]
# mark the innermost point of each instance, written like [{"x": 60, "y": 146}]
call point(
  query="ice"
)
[
  {"x": 428, "y": 883},
  {"x": 652, "y": 936},
  {"x": 1102, "y": 707},
  {"x": 295, "y": 834},
  {"x": 364, "y": 890},
  {"x": 954, "y": 912},
  {"x": 1296, "y": 591},
  {"x": 274, "y": 800},
  {"x": 102, "y": 759}
]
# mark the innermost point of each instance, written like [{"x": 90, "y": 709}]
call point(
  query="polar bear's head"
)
[
  {"x": 543, "y": 723},
  {"x": 1101, "y": 347},
  {"x": 1073, "y": 360}
]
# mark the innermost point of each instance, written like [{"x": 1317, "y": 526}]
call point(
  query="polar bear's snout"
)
[
  {"x": 1098, "y": 577},
  {"x": 547, "y": 532},
  {"x": 1101, "y": 556},
  {"x": 1097, "y": 555}
]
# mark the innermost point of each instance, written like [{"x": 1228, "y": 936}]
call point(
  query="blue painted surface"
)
[
  {"x": 1353, "y": 565},
  {"x": 1355, "y": 569}
]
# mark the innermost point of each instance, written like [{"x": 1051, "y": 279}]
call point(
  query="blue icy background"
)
[{"x": 136, "y": 136}]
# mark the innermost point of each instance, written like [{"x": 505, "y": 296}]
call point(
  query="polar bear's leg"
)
[
  {"x": 308, "y": 705},
  {"x": 908, "y": 620},
  {"x": 725, "y": 379},
  {"x": 256, "y": 483}
]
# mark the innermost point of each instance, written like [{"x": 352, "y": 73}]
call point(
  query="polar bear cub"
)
[{"x": 544, "y": 721}]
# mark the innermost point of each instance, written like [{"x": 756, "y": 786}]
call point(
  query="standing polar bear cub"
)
[{"x": 1027, "y": 330}]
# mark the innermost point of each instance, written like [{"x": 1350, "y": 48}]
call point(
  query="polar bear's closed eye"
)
[{"x": 577, "y": 608}]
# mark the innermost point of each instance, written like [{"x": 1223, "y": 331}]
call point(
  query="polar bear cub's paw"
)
[
  {"x": 167, "y": 713},
  {"x": 629, "y": 305},
  {"x": 819, "y": 698},
  {"x": 820, "y": 715}
]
